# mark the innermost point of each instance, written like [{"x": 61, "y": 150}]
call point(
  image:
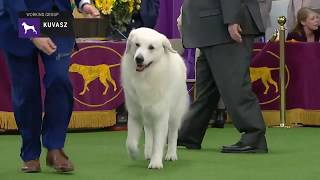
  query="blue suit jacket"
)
[
  {"x": 301, "y": 36},
  {"x": 149, "y": 12},
  {"x": 148, "y": 15},
  {"x": 1, "y": 7},
  {"x": 9, "y": 39}
]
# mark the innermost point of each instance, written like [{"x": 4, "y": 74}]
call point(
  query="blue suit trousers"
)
[{"x": 36, "y": 121}]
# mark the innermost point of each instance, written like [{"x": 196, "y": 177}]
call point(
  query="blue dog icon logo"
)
[{"x": 27, "y": 27}]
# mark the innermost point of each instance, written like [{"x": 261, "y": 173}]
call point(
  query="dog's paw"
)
[
  {"x": 147, "y": 156},
  {"x": 171, "y": 157},
  {"x": 147, "y": 153},
  {"x": 155, "y": 164},
  {"x": 133, "y": 153}
]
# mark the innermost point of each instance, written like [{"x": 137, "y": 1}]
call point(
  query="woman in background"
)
[
  {"x": 294, "y": 6},
  {"x": 307, "y": 27}
]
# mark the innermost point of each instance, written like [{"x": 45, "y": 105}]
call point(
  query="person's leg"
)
[
  {"x": 26, "y": 100},
  {"x": 58, "y": 104},
  {"x": 220, "y": 115},
  {"x": 230, "y": 66},
  {"x": 122, "y": 114},
  {"x": 196, "y": 120}
]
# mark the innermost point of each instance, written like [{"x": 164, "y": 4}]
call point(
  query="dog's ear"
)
[
  {"x": 167, "y": 45},
  {"x": 129, "y": 42}
]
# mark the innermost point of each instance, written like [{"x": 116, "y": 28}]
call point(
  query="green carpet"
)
[{"x": 294, "y": 155}]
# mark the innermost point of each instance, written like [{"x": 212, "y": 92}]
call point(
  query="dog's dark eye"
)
[
  {"x": 151, "y": 47},
  {"x": 137, "y": 44}
]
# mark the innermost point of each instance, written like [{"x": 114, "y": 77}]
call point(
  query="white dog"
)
[
  {"x": 27, "y": 27},
  {"x": 154, "y": 82}
]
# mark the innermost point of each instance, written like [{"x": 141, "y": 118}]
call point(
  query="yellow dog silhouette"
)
[
  {"x": 263, "y": 73},
  {"x": 90, "y": 73}
]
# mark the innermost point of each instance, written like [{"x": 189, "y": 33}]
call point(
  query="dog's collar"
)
[{"x": 143, "y": 67}]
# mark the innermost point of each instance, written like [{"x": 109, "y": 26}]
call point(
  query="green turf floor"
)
[{"x": 294, "y": 155}]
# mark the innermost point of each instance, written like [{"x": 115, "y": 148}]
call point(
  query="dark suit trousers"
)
[
  {"x": 225, "y": 68},
  {"x": 27, "y": 103}
]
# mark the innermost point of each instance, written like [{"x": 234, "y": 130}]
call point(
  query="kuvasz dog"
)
[{"x": 156, "y": 96}]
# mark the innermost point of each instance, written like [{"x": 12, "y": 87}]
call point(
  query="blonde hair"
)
[{"x": 302, "y": 15}]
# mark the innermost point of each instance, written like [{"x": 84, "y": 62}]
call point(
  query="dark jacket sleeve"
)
[
  {"x": 290, "y": 36},
  {"x": 14, "y": 8},
  {"x": 317, "y": 35},
  {"x": 1, "y": 7},
  {"x": 149, "y": 12},
  {"x": 231, "y": 11},
  {"x": 77, "y": 3},
  {"x": 296, "y": 36}
]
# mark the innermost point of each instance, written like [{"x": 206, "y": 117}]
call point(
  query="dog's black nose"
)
[{"x": 139, "y": 59}]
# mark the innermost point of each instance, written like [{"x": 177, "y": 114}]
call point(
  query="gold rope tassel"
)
[
  {"x": 79, "y": 119},
  {"x": 96, "y": 119},
  {"x": 293, "y": 117},
  {"x": 7, "y": 120}
]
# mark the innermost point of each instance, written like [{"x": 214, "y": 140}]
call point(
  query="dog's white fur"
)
[
  {"x": 27, "y": 27},
  {"x": 156, "y": 98}
]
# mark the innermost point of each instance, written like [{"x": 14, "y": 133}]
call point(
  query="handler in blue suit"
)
[
  {"x": 22, "y": 60},
  {"x": 147, "y": 16},
  {"x": 149, "y": 13}
]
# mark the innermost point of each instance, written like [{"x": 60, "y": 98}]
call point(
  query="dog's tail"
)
[{"x": 185, "y": 105}]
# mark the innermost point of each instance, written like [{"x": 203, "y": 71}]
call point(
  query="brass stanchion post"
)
[{"x": 281, "y": 21}]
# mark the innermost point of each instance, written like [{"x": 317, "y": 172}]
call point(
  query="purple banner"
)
[
  {"x": 189, "y": 56},
  {"x": 95, "y": 73},
  {"x": 5, "y": 95},
  {"x": 302, "y": 74},
  {"x": 167, "y": 21}
]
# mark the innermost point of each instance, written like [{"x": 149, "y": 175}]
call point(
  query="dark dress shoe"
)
[
  {"x": 58, "y": 160},
  {"x": 188, "y": 145},
  {"x": 32, "y": 166},
  {"x": 233, "y": 145},
  {"x": 238, "y": 148},
  {"x": 219, "y": 118},
  {"x": 218, "y": 124}
]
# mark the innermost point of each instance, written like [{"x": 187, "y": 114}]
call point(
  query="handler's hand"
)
[
  {"x": 45, "y": 44},
  {"x": 234, "y": 31},
  {"x": 179, "y": 21},
  {"x": 91, "y": 10}
]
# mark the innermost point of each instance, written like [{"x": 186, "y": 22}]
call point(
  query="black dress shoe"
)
[
  {"x": 188, "y": 145},
  {"x": 233, "y": 145},
  {"x": 238, "y": 148},
  {"x": 219, "y": 118},
  {"x": 218, "y": 124}
]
